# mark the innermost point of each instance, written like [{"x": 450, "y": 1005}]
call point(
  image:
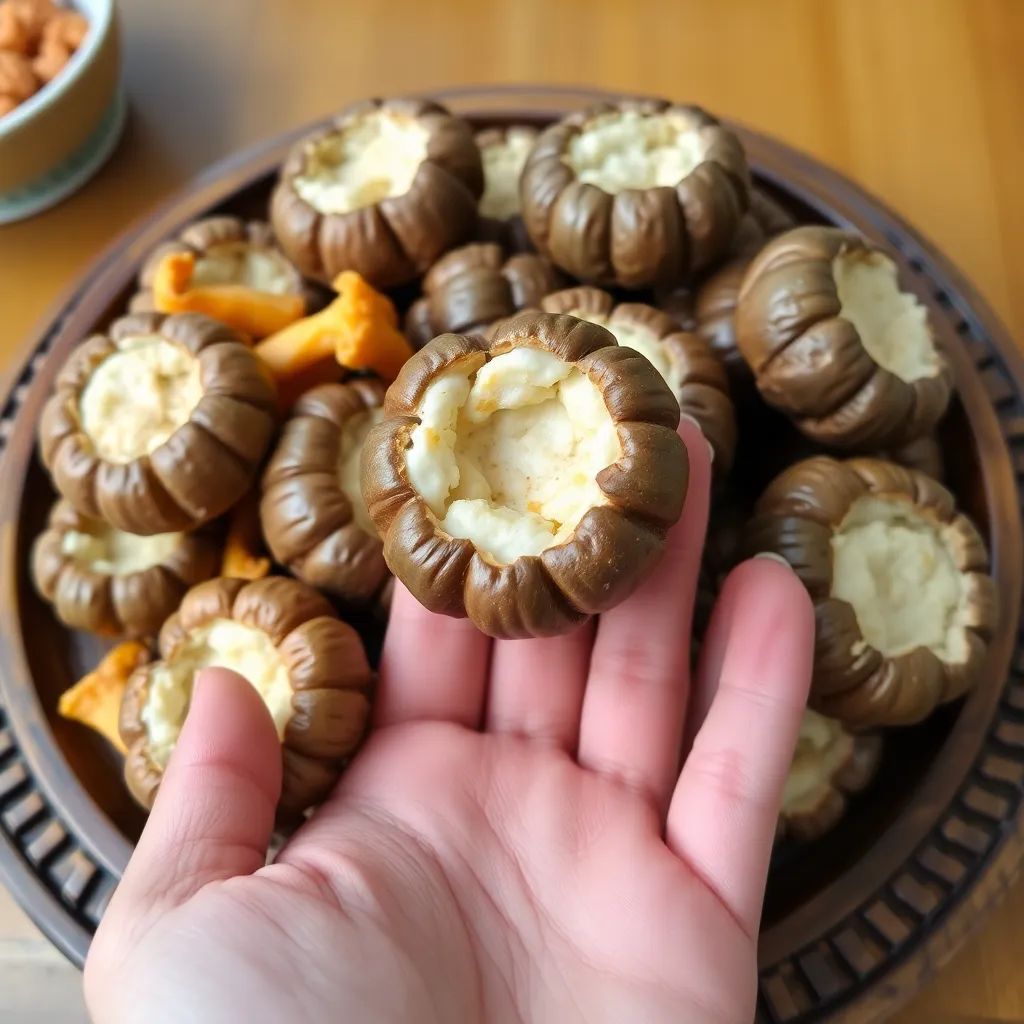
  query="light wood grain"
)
[{"x": 922, "y": 101}]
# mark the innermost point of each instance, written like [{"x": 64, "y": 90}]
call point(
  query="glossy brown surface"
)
[{"x": 789, "y": 986}]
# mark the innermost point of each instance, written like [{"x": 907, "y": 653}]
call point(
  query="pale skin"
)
[{"x": 514, "y": 843}]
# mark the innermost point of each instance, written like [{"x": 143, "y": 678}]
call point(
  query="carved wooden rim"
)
[{"x": 897, "y": 928}]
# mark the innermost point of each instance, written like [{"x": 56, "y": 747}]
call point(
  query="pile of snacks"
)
[
  {"x": 249, "y": 452},
  {"x": 37, "y": 39}
]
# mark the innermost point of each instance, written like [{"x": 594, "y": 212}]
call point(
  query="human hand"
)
[{"x": 515, "y": 842}]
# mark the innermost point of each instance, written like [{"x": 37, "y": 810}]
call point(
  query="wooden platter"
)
[{"x": 856, "y": 922}]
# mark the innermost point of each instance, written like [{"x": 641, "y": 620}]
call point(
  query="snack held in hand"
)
[
  {"x": 837, "y": 344},
  {"x": 504, "y": 152},
  {"x": 636, "y": 193},
  {"x": 308, "y": 666},
  {"x": 159, "y": 424},
  {"x": 527, "y": 482},
  {"x": 113, "y": 583},
  {"x": 829, "y": 764},
  {"x": 95, "y": 700},
  {"x": 470, "y": 288},
  {"x": 384, "y": 191},
  {"x": 227, "y": 252},
  {"x": 683, "y": 359},
  {"x": 899, "y": 578},
  {"x": 313, "y": 515}
]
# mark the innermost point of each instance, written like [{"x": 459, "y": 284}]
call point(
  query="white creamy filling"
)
[
  {"x": 508, "y": 458},
  {"x": 138, "y": 396},
  {"x": 222, "y": 643},
  {"x": 896, "y": 569},
  {"x": 240, "y": 263},
  {"x": 641, "y": 340},
  {"x": 116, "y": 553},
  {"x": 626, "y": 150},
  {"x": 823, "y": 747},
  {"x": 503, "y": 166},
  {"x": 374, "y": 157},
  {"x": 893, "y": 325},
  {"x": 353, "y": 437}
]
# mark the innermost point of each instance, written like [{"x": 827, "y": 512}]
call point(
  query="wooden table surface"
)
[{"x": 922, "y": 101}]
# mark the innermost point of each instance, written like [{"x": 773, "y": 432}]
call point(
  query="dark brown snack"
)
[
  {"x": 683, "y": 359},
  {"x": 113, "y": 583},
  {"x": 526, "y": 482},
  {"x": 159, "y": 424},
  {"x": 384, "y": 190},
  {"x": 715, "y": 313},
  {"x": 308, "y": 666},
  {"x": 924, "y": 455},
  {"x": 228, "y": 250},
  {"x": 829, "y": 764},
  {"x": 636, "y": 193},
  {"x": 312, "y": 511},
  {"x": 717, "y": 295},
  {"x": 470, "y": 288},
  {"x": 504, "y": 152},
  {"x": 899, "y": 579},
  {"x": 765, "y": 219},
  {"x": 837, "y": 345}
]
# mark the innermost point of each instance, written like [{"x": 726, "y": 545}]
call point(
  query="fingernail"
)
[
  {"x": 689, "y": 419},
  {"x": 771, "y": 556}
]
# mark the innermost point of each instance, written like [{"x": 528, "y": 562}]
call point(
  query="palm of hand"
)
[{"x": 548, "y": 867}]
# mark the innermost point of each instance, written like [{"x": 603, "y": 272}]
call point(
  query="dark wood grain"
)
[{"x": 854, "y": 925}]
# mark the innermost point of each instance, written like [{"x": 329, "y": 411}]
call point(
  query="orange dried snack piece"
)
[
  {"x": 16, "y": 78},
  {"x": 358, "y": 331},
  {"x": 245, "y": 555},
  {"x": 69, "y": 28},
  {"x": 50, "y": 61},
  {"x": 254, "y": 313},
  {"x": 14, "y": 33},
  {"x": 7, "y": 104},
  {"x": 22, "y": 23},
  {"x": 95, "y": 700},
  {"x": 368, "y": 338}
]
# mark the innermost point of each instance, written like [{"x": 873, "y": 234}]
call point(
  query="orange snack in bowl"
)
[
  {"x": 95, "y": 700},
  {"x": 254, "y": 313},
  {"x": 358, "y": 331}
]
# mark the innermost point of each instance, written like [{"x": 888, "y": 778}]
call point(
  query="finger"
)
[
  {"x": 636, "y": 694},
  {"x": 713, "y": 648},
  {"x": 433, "y": 668},
  {"x": 214, "y": 813},
  {"x": 725, "y": 806},
  {"x": 537, "y": 686}
]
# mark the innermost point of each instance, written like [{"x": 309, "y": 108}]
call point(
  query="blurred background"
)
[{"x": 921, "y": 101}]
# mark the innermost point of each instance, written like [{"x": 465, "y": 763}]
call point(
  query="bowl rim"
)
[
  {"x": 846, "y": 199},
  {"x": 51, "y": 93}
]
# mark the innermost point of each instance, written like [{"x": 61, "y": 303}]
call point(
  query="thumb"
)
[{"x": 214, "y": 814}]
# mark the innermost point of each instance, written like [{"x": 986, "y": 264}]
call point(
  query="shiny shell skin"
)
[
  {"x": 471, "y": 287},
  {"x": 811, "y": 364},
  {"x": 328, "y": 672},
  {"x": 133, "y": 604},
  {"x": 613, "y": 547},
  {"x": 202, "y": 469},
  {"x": 638, "y": 237},
  {"x": 307, "y": 519},
  {"x": 392, "y": 241},
  {"x": 796, "y": 517}
]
